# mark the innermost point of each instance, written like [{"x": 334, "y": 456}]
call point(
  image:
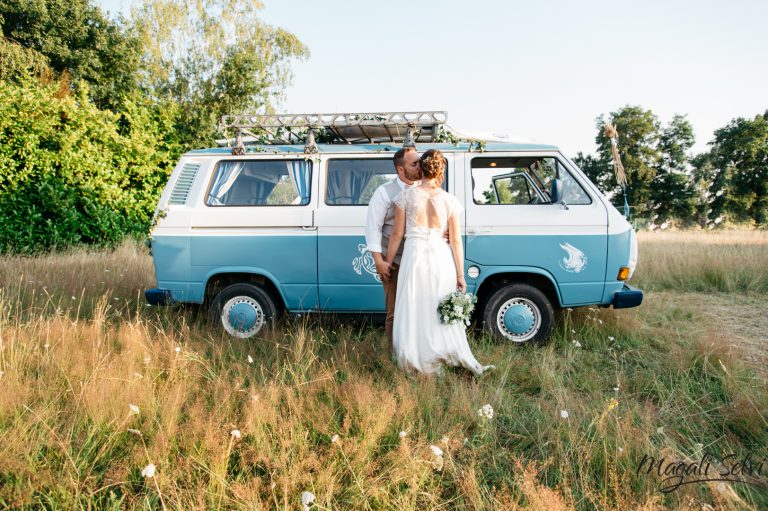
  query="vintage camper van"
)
[{"x": 252, "y": 231}]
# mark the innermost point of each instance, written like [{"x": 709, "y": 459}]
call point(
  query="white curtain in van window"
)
[
  {"x": 299, "y": 170},
  {"x": 346, "y": 187},
  {"x": 228, "y": 173}
]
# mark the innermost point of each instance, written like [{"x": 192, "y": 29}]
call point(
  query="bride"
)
[{"x": 430, "y": 270}]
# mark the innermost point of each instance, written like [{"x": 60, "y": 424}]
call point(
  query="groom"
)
[{"x": 379, "y": 223}]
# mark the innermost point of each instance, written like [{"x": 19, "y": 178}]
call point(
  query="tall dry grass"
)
[
  {"x": 702, "y": 261},
  {"x": 644, "y": 381}
]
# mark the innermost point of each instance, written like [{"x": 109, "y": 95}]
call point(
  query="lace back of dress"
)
[{"x": 426, "y": 211}]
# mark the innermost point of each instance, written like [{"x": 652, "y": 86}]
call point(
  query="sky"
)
[{"x": 537, "y": 70}]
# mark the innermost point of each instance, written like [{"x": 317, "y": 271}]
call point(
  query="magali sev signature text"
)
[{"x": 746, "y": 469}]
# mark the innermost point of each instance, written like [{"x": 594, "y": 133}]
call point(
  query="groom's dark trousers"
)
[{"x": 390, "y": 294}]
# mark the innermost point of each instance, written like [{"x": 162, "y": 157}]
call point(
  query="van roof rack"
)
[{"x": 344, "y": 128}]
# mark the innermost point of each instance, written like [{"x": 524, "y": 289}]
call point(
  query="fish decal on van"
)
[
  {"x": 365, "y": 262},
  {"x": 575, "y": 261}
]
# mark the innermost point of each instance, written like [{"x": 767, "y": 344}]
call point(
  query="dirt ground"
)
[{"x": 742, "y": 319}]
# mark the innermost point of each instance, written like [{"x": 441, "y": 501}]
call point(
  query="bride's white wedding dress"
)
[{"x": 427, "y": 275}]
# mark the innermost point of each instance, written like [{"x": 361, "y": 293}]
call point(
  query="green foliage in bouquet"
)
[{"x": 457, "y": 307}]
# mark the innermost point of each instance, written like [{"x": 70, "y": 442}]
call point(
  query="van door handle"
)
[{"x": 309, "y": 227}]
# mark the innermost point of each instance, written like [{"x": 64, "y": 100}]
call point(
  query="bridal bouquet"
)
[{"x": 457, "y": 307}]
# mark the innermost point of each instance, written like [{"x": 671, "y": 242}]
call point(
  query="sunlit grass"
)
[{"x": 650, "y": 380}]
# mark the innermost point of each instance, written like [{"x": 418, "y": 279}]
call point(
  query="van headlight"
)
[{"x": 632, "y": 253}]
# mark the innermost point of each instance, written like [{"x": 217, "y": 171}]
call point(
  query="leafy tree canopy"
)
[
  {"x": 77, "y": 39},
  {"x": 213, "y": 57}
]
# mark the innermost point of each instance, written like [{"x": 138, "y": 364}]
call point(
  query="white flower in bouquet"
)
[{"x": 457, "y": 307}]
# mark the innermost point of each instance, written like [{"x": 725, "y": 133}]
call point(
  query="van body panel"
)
[
  {"x": 487, "y": 272},
  {"x": 575, "y": 263},
  {"x": 288, "y": 259}
]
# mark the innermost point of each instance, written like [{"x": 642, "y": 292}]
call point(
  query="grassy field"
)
[{"x": 95, "y": 386}]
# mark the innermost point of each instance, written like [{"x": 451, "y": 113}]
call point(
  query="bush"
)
[{"x": 73, "y": 174}]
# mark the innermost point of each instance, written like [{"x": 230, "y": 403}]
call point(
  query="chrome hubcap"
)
[
  {"x": 242, "y": 317},
  {"x": 518, "y": 319}
]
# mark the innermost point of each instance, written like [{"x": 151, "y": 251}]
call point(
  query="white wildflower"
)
[
  {"x": 576, "y": 343},
  {"x": 569, "y": 309},
  {"x": 254, "y": 397},
  {"x": 235, "y": 433},
  {"x": 307, "y": 499},
  {"x": 564, "y": 414},
  {"x": 437, "y": 461},
  {"x": 178, "y": 349},
  {"x": 250, "y": 359},
  {"x": 134, "y": 409},
  {"x": 46, "y": 346},
  {"x": 466, "y": 441},
  {"x": 486, "y": 412},
  {"x": 116, "y": 299},
  {"x": 573, "y": 330},
  {"x": 138, "y": 376},
  {"x": 148, "y": 471},
  {"x": 621, "y": 449},
  {"x": 660, "y": 430},
  {"x": 611, "y": 338},
  {"x": 134, "y": 431},
  {"x": 600, "y": 321},
  {"x": 403, "y": 434},
  {"x": 74, "y": 298},
  {"x": 334, "y": 439},
  {"x": 615, "y": 389}
]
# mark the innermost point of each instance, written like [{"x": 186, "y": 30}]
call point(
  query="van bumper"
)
[
  {"x": 628, "y": 297},
  {"x": 158, "y": 296}
]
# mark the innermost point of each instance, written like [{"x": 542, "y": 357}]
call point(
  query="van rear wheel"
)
[
  {"x": 243, "y": 310},
  {"x": 519, "y": 313}
]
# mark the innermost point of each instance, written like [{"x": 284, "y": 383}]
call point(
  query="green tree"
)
[
  {"x": 213, "y": 57},
  {"x": 673, "y": 194},
  {"x": 639, "y": 133},
  {"x": 738, "y": 164},
  {"x": 77, "y": 40}
]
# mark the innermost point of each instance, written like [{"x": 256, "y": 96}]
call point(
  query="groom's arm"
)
[{"x": 377, "y": 212}]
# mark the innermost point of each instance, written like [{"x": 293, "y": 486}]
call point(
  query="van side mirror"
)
[{"x": 556, "y": 194}]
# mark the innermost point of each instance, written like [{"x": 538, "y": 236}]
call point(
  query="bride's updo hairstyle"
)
[{"x": 433, "y": 165}]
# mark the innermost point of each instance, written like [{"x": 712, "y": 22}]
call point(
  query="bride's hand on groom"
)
[
  {"x": 382, "y": 269},
  {"x": 461, "y": 284}
]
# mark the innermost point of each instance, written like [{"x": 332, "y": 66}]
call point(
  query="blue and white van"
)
[{"x": 280, "y": 228}]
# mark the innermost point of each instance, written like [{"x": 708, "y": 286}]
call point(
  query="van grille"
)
[{"x": 184, "y": 183}]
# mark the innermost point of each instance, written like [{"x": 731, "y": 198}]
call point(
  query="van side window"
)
[
  {"x": 260, "y": 183},
  {"x": 351, "y": 182},
  {"x": 522, "y": 180}
]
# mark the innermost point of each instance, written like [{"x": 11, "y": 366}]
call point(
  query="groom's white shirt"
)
[{"x": 377, "y": 213}]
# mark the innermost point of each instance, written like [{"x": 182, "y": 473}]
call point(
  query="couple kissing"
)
[{"x": 413, "y": 231}]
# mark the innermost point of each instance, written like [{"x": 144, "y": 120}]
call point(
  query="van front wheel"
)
[
  {"x": 243, "y": 310},
  {"x": 519, "y": 313}
]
